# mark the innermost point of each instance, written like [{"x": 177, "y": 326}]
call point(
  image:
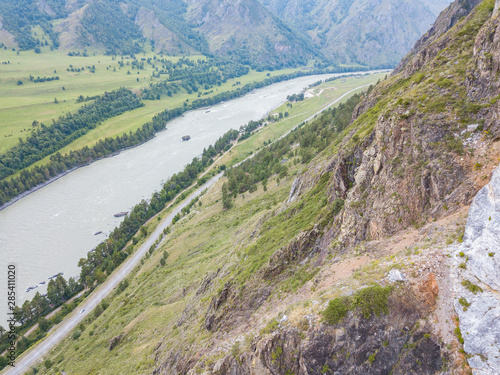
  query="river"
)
[{"x": 48, "y": 231}]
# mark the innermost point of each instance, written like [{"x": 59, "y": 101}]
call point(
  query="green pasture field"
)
[{"x": 20, "y": 105}]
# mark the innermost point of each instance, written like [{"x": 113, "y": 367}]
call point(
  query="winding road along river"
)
[
  {"x": 51, "y": 229},
  {"x": 57, "y": 334}
]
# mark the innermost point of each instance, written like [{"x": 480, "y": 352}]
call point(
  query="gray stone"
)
[
  {"x": 473, "y": 127},
  {"x": 480, "y": 322},
  {"x": 395, "y": 276},
  {"x": 294, "y": 190}
]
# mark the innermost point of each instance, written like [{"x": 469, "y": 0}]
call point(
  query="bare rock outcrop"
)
[
  {"x": 114, "y": 341},
  {"x": 395, "y": 343},
  {"x": 478, "y": 285}
]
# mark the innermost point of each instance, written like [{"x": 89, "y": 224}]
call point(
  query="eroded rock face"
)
[
  {"x": 479, "y": 309},
  {"x": 392, "y": 343},
  {"x": 405, "y": 170},
  {"x": 115, "y": 341},
  {"x": 295, "y": 251}
]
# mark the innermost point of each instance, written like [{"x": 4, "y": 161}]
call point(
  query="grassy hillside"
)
[
  {"x": 286, "y": 262},
  {"x": 188, "y": 252}
]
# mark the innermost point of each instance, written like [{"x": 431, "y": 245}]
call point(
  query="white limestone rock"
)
[{"x": 480, "y": 321}]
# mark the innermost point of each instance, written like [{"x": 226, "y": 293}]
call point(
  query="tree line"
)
[
  {"x": 34, "y": 311},
  {"x": 195, "y": 76},
  {"x": 312, "y": 138},
  {"x": 102, "y": 260},
  {"x": 59, "y": 164},
  {"x": 46, "y": 140}
]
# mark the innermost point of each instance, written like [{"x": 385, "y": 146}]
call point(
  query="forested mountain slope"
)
[
  {"x": 244, "y": 31},
  {"x": 338, "y": 268},
  {"x": 366, "y": 32},
  {"x": 268, "y": 33}
]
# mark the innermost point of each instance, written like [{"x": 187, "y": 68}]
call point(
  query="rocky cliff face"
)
[
  {"x": 409, "y": 153},
  {"x": 446, "y": 20},
  {"x": 396, "y": 343},
  {"x": 478, "y": 280}
]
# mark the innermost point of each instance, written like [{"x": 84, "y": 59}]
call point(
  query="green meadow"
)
[{"x": 21, "y": 104}]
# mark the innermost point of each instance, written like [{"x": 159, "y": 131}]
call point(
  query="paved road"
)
[
  {"x": 57, "y": 334},
  {"x": 329, "y": 105},
  {"x": 29, "y": 358}
]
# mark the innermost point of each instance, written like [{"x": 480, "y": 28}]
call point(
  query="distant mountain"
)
[
  {"x": 246, "y": 29},
  {"x": 371, "y": 32},
  {"x": 262, "y": 33},
  {"x": 243, "y": 30}
]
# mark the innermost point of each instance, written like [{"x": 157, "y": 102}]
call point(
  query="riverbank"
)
[
  {"x": 60, "y": 221},
  {"x": 55, "y": 178},
  {"x": 217, "y": 101}
]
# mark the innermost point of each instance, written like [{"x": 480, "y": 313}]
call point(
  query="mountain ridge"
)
[
  {"x": 367, "y": 32},
  {"x": 263, "y": 34}
]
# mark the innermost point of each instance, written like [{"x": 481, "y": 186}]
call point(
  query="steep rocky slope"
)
[{"x": 409, "y": 158}]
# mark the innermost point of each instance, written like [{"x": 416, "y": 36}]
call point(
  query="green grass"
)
[
  {"x": 147, "y": 311},
  {"x": 20, "y": 105},
  {"x": 299, "y": 112},
  {"x": 281, "y": 229},
  {"x": 370, "y": 301}
]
